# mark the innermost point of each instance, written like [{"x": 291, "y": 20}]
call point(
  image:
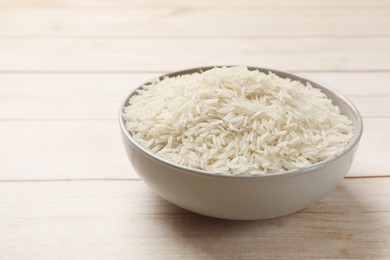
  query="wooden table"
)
[{"x": 67, "y": 190}]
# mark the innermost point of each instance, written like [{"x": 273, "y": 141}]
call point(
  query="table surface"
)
[{"x": 67, "y": 190}]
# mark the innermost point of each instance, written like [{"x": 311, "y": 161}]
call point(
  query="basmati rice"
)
[{"x": 232, "y": 120}]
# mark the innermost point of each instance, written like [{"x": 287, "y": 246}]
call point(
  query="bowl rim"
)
[{"x": 355, "y": 139}]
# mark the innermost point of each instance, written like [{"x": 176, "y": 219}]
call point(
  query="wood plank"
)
[
  {"x": 194, "y": 3},
  {"x": 161, "y": 54},
  {"x": 62, "y": 150},
  {"x": 90, "y": 149},
  {"x": 353, "y": 84},
  {"x": 122, "y": 220},
  {"x": 97, "y": 96},
  {"x": 195, "y": 21},
  {"x": 65, "y": 96},
  {"x": 103, "y": 84}
]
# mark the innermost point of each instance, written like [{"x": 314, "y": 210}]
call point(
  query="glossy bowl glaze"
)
[{"x": 243, "y": 197}]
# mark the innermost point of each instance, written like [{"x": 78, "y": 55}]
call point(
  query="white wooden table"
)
[{"x": 67, "y": 190}]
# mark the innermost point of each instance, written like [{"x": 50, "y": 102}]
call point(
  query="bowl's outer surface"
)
[{"x": 245, "y": 197}]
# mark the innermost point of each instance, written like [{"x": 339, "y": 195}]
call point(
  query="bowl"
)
[{"x": 243, "y": 197}]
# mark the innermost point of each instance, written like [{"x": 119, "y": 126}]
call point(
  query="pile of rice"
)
[{"x": 236, "y": 121}]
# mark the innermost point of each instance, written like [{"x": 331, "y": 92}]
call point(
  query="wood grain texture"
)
[
  {"x": 89, "y": 149},
  {"x": 196, "y": 21},
  {"x": 62, "y": 150},
  {"x": 146, "y": 54},
  {"x": 122, "y": 220},
  {"x": 97, "y": 96},
  {"x": 67, "y": 188}
]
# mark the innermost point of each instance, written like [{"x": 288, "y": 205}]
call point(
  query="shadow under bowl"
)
[{"x": 243, "y": 197}]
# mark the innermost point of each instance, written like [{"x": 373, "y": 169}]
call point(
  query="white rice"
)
[{"x": 236, "y": 121}]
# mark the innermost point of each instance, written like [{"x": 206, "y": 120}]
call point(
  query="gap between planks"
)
[
  {"x": 188, "y": 5},
  {"x": 176, "y": 36},
  {"x": 191, "y": 4},
  {"x": 189, "y": 8},
  {"x": 115, "y": 119},
  {"x": 169, "y": 71},
  {"x": 134, "y": 179}
]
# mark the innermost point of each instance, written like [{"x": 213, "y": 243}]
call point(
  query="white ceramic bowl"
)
[{"x": 243, "y": 197}]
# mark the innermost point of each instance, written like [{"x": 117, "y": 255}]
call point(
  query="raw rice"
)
[{"x": 236, "y": 121}]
